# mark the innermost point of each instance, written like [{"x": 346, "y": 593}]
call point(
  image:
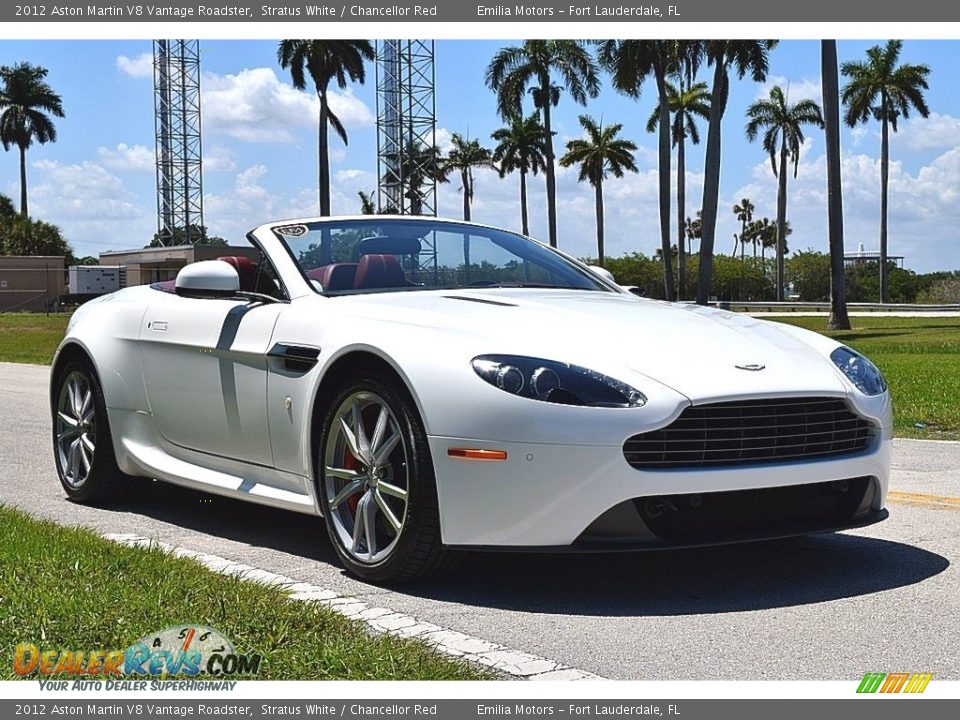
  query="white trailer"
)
[{"x": 96, "y": 279}]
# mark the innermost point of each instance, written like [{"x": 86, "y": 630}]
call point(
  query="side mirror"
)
[
  {"x": 208, "y": 278},
  {"x": 602, "y": 272}
]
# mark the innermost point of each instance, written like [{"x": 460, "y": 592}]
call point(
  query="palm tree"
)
[
  {"x": 744, "y": 212},
  {"x": 600, "y": 153},
  {"x": 630, "y": 63},
  {"x": 464, "y": 156},
  {"x": 764, "y": 231},
  {"x": 693, "y": 229},
  {"x": 325, "y": 61},
  {"x": 766, "y": 234},
  {"x": 521, "y": 146},
  {"x": 686, "y": 103},
  {"x": 25, "y": 101},
  {"x": 749, "y": 234},
  {"x": 368, "y": 205},
  {"x": 839, "y": 319},
  {"x": 885, "y": 91},
  {"x": 420, "y": 167},
  {"x": 532, "y": 67},
  {"x": 783, "y": 124},
  {"x": 741, "y": 56},
  {"x": 408, "y": 175}
]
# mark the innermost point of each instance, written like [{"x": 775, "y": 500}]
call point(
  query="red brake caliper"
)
[{"x": 350, "y": 463}]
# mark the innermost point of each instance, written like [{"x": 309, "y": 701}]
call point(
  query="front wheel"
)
[
  {"x": 377, "y": 486},
  {"x": 82, "y": 446}
]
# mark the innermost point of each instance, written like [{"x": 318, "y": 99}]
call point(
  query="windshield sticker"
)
[{"x": 292, "y": 230}]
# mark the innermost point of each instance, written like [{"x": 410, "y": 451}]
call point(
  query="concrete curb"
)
[
  {"x": 927, "y": 440},
  {"x": 507, "y": 661}
]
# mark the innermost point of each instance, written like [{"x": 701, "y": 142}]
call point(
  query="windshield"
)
[{"x": 387, "y": 255}]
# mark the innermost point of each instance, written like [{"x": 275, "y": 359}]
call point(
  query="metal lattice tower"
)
[
  {"x": 406, "y": 127},
  {"x": 176, "y": 86}
]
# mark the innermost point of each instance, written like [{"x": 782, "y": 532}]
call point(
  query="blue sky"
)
[{"x": 259, "y": 138}]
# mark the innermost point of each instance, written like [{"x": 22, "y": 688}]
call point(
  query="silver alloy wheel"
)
[
  {"x": 76, "y": 425},
  {"x": 367, "y": 477}
]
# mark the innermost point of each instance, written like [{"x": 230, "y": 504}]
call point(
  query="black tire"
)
[
  {"x": 418, "y": 551},
  {"x": 103, "y": 483}
]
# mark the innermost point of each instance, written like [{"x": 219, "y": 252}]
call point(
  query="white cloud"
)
[
  {"x": 140, "y": 66},
  {"x": 254, "y": 105},
  {"x": 857, "y": 134},
  {"x": 84, "y": 191},
  {"x": 131, "y": 158},
  {"x": 218, "y": 159},
  {"x": 351, "y": 110},
  {"x": 354, "y": 177},
  {"x": 90, "y": 204},
  {"x": 250, "y": 202},
  {"x": 795, "y": 90},
  {"x": 937, "y": 132},
  {"x": 141, "y": 159},
  {"x": 921, "y": 205},
  {"x": 443, "y": 139}
]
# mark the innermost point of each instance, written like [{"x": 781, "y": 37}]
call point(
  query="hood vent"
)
[{"x": 482, "y": 301}]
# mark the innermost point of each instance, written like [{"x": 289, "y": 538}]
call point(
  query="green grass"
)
[
  {"x": 920, "y": 358},
  {"x": 29, "y": 337},
  {"x": 69, "y": 588}
]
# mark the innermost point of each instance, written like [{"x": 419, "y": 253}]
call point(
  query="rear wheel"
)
[
  {"x": 377, "y": 485},
  {"x": 82, "y": 446}
]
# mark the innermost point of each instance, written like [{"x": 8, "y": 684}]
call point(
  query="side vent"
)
[{"x": 295, "y": 358}]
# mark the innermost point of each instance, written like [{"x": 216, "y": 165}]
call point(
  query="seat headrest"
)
[
  {"x": 336, "y": 276},
  {"x": 379, "y": 271},
  {"x": 246, "y": 270}
]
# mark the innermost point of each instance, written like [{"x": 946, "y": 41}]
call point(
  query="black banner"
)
[{"x": 479, "y": 11}]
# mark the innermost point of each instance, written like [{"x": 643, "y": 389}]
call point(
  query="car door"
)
[{"x": 205, "y": 369}]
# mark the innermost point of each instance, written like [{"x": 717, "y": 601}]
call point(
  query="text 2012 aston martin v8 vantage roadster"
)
[{"x": 429, "y": 386}]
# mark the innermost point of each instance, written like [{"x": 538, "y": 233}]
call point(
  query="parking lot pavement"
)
[
  {"x": 886, "y": 598},
  {"x": 926, "y": 467}
]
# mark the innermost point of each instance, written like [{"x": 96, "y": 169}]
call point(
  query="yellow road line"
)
[{"x": 941, "y": 502}]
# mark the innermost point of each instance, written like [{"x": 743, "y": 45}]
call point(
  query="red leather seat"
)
[
  {"x": 379, "y": 271},
  {"x": 336, "y": 276},
  {"x": 246, "y": 270}
]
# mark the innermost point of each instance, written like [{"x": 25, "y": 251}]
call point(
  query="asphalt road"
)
[{"x": 832, "y": 607}]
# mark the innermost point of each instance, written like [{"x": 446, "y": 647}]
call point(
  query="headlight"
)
[
  {"x": 555, "y": 382},
  {"x": 860, "y": 371}
]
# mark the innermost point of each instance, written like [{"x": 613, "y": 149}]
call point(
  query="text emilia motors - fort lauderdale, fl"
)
[
  {"x": 333, "y": 11},
  {"x": 646, "y": 11}
]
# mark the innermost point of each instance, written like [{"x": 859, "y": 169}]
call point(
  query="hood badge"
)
[{"x": 753, "y": 367}]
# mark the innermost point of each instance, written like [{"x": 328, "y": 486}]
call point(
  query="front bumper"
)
[{"x": 547, "y": 496}]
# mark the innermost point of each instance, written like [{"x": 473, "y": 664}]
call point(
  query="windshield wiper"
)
[{"x": 514, "y": 284}]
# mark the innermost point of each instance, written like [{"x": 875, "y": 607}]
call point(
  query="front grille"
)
[{"x": 752, "y": 431}]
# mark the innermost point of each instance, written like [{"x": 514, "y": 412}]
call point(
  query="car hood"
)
[{"x": 700, "y": 352}]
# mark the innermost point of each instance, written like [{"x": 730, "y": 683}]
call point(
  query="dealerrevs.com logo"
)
[
  {"x": 894, "y": 682},
  {"x": 184, "y": 650}
]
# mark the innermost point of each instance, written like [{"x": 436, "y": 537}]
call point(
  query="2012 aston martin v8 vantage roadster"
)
[{"x": 428, "y": 386}]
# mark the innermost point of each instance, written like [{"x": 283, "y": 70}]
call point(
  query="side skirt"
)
[{"x": 141, "y": 451}]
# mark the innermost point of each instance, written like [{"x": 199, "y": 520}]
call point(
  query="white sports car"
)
[{"x": 429, "y": 386}]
